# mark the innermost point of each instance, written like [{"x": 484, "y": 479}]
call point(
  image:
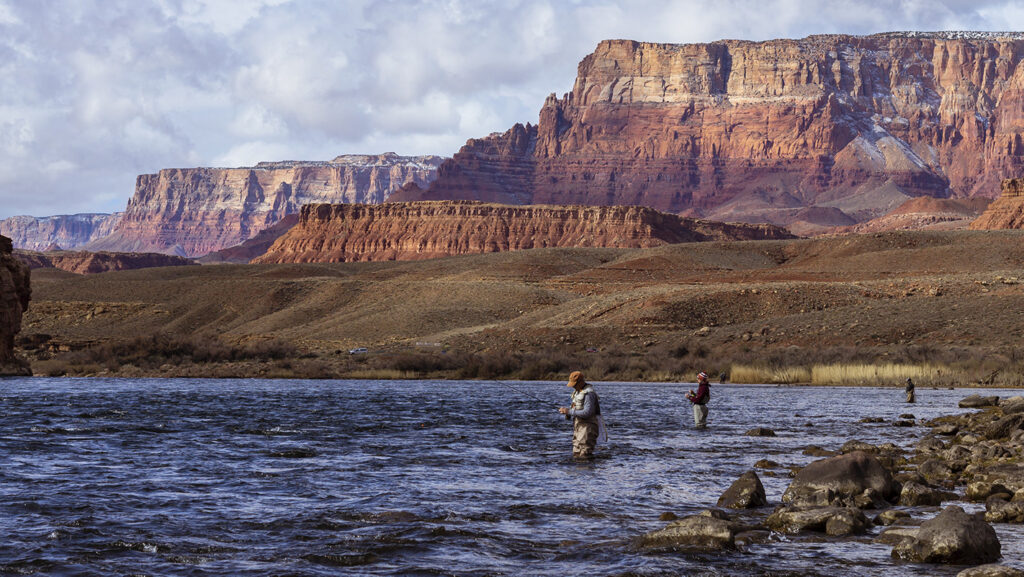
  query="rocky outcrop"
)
[
  {"x": 920, "y": 213},
  {"x": 66, "y": 231},
  {"x": 253, "y": 248},
  {"x": 423, "y": 230},
  {"x": 761, "y": 131},
  {"x": 194, "y": 211},
  {"x": 85, "y": 262},
  {"x": 14, "y": 296},
  {"x": 1007, "y": 211}
]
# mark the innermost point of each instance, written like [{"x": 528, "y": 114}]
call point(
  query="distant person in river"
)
[
  {"x": 910, "y": 391},
  {"x": 700, "y": 399},
  {"x": 585, "y": 411}
]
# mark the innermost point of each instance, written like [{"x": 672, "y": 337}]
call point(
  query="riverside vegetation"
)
[{"x": 942, "y": 307}]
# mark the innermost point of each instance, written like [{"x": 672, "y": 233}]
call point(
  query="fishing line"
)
[{"x": 532, "y": 396}]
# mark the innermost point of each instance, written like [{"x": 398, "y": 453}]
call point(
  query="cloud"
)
[{"x": 94, "y": 92}]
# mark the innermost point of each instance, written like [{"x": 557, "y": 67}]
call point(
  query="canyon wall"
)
[
  {"x": 14, "y": 296},
  {"x": 195, "y": 211},
  {"x": 64, "y": 231},
  {"x": 424, "y": 230},
  {"x": 1007, "y": 211},
  {"x": 85, "y": 262},
  {"x": 761, "y": 131}
]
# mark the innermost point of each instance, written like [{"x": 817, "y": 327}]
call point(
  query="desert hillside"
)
[{"x": 924, "y": 296}]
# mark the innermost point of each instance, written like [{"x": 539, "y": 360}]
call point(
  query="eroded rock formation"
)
[
  {"x": 423, "y": 230},
  {"x": 85, "y": 262},
  {"x": 761, "y": 131},
  {"x": 1007, "y": 211},
  {"x": 195, "y": 211},
  {"x": 14, "y": 296},
  {"x": 65, "y": 231}
]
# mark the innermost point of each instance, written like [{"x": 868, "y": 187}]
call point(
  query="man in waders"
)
[
  {"x": 586, "y": 414},
  {"x": 699, "y": 400},
  {"x": 910, "y": 391}
]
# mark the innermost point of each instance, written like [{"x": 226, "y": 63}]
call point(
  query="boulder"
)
[
  {"x": 845, "y": 476},
  {"x": 982, "y": 490},
  {"x": 1000, "y": 510},
  {"x": 760, "y": 432},
  {"x": 816, "y": 451},
  {"x": 890, "y": 517},
  {"x": 952, "y": 536},
  {"x": 1005, "y": 426},
  {"x": 978, "y": 402},
  {"x": 835, "y": 521},
  {"x": 916, "y": 494},
  {"x": 707, "y": 531},
  {"x": 991, "y": 570},
  {"x": 746, "y": 493},
  {"x": 948, "y": 430},
  {"x": 935, "y": 470}
]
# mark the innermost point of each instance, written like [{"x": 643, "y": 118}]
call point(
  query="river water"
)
[{"x": 304, "y": 478}]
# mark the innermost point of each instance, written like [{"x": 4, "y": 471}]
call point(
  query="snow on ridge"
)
[{"x": 952, "y": 35}]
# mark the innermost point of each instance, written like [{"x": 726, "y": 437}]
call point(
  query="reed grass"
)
[
  {"x": 754, "y": 374},
  {"x": 885, "y": 374}
]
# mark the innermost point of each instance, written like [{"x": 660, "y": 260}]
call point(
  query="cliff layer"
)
[
  {"x": 761, "y": 131},
  {"x": 14, "y": 296},
  {"x": 195, "y": 211},
  {"x": 423, "y": 230},
  {"x": 65, "y": 231},
  {"x": 1007, "y": 211},
  {"x": 85, "y": 262}
]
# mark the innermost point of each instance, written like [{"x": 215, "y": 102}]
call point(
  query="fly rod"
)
[{"x": 532, "y": 396}]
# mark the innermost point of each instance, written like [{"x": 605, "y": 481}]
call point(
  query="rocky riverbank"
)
[{"x": 885, "y": 493}]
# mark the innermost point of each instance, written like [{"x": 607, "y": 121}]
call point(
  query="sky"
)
[{"x": 96, "y": 92}]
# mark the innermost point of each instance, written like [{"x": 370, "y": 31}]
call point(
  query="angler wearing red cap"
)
[
  {"x": 585, "y": 411},
  {"x": 700, "y": 400}
]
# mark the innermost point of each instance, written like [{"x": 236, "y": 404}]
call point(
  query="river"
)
[{"x": 308, "y": 478}]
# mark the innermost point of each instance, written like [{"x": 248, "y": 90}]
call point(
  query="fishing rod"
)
[{"x": 532, "y": 396}]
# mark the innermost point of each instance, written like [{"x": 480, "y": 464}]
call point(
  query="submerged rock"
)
[
  {"x": 746, "y": 493},
  {"x": 709, "y": 530},
  {"x": 952, "y": 536},
  {"x": 991, "y": 570},
  {"x": 978, "y": 401},
  {"x": 916, "y": 494},
  {"x": 835, "y": 521},
  {"x": 760, "y": 432}
]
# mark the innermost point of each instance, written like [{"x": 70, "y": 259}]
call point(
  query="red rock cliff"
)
[
  {"x": 85, "y": 262},
  {"x": 759, "y": 131},
  {"x": 195, "y": 211},
  {"x": 1007, "y": 211},
  {"x": 14, "y": 297},
  {"x": 423, "y": 230}
]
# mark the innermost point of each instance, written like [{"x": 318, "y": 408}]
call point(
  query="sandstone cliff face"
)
[
  {"x": 66, "y": 231},
  {"x": 759, "y": 131},
  {"x": 1007, "y": 211},
  {"x": 14, "y": 296},
  {"x": 424, "y": 230},
  {"x": 85, "y": 262},
  {"x": 195, "y": 211}
]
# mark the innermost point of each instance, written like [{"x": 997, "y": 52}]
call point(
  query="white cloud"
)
[{"x": 93, "y": 92}]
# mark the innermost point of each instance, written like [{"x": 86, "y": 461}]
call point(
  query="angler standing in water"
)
[
  {"x": 586, "y": 414},
  {"x": 700, "y": 400},
  {"x": 910, "y": 391}
]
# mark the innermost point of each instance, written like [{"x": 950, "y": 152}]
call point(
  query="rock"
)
[
  {"x": 816, "y": 451},
  {"x": 978, "y": 402},
  {"x": 706, "y": 531},
  {"x": 766, "y": 464},
  {"x": 847, "y": 476},
  {"x": 903, "y": 423},
  {"x": 935, "y": 470},
  {"x": 15, "y": 292},
  {"x": 952, "y": 537},
  {"x": 85, "y": 262},
  {"x": 1005, "y": 426},
  {"x": 195, "y": 211},
  {"x": 946, "y": 430},
  {"x": 930, "y": 445},
  {"x": 991, "y": 570},
  {"x": 896, "y": 535},
  {"x": 890, "y": 516},
  {"x": 640, "y": 109},
  {"x": 1012, "y": 405},
  {"x": 851, "y": 446},
  {"x": 981, "y": 490},
  {"x": 760, "y": 432},
  {"x": 746, "y": 493},
  {"x": 916, "y": 494},
  {"x": 1000, "y": 510},
  {"x": 422, "y": 230},
  {"x": 68, "y": 231},
  {"x": 834, "y": 521}
]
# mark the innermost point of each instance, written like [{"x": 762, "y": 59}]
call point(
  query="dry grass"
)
[
  {"x": 886, "y": 374},
  {"x": 746, "y": 374}
]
